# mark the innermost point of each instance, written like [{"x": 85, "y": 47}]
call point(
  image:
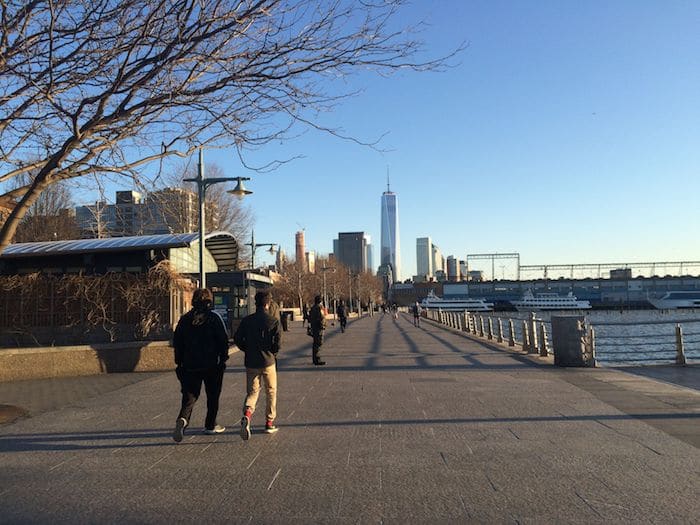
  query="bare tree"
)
[
  {"x": 51, "y": 217},
  {"x": 104, "y": 87}
]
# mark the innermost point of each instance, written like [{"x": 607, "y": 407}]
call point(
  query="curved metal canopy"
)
[{"x": 222, "y": 246}]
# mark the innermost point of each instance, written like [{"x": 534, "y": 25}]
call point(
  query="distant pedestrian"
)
[
  {"x": 201, "y": 351},
  {"x": 342, "y": 315},
  {"x": 284, "y": 320},
  {"x": 304, "y": 315},
  {"x": 416, "y": 314},
  {"x": 258, "y": 336},
  {"x": 317, "y": 321},
  {"x": 395, "y": 310}
]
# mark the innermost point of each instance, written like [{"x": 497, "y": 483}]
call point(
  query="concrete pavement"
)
[{"x": 404, "y": 425}]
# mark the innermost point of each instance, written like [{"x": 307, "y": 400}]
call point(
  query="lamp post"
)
[
  {"x": 350, "y": 291},
  {"x": 254, "y": 246},
  {"x": 202, "y": 185},
  {"x": 325, "y": 295}
]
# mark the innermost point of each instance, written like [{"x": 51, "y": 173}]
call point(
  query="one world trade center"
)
[{"x": 389, "y": 251}]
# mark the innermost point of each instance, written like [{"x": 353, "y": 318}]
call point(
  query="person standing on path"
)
[
  {"x": 258, "y": 336},
  {"x": 201, "y": 351},
  {"x": 317, "y": 321},
  {"x": 304, "y": 315},
  {"x": 342, "y": 315},
  {"x": 416, "y": 314}
]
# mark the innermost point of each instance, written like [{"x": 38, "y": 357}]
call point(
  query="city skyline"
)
[{"x": 565, "y": 132}]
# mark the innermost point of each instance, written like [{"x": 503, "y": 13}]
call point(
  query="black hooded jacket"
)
[{"x": 200, "y": 340}]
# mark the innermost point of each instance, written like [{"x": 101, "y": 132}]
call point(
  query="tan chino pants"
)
[{"x": 254, "y": 379}]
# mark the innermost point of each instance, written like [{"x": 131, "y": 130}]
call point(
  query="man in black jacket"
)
[
  {"x": 317, "y": 321},
  {"x": 258, "y": 336},
  {"x": 201, "y": 351}
]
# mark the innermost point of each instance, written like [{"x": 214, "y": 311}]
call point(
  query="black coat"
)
[
  {"x": 258, "y": 336},
  {"x": 200, "y": 340}
]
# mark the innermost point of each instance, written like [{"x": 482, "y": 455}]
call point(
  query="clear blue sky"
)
[{"x": 569, "y": 132}]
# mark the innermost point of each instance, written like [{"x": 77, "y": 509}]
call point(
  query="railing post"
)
[
  {"x": 490, "y": 334},
  {"x": 680, "y": 351},
  {"x": 481, "y": 326},
  {"x": 544, "y": 350},
  {"x": 526, "y": 338},
  {"x": 464, "y": 321},
  {"x": 511, "y": 333},
  {"x": 500, "y": 330},
  {"x": 473, "y": 324},
  {"x": 532, "y": 332}
]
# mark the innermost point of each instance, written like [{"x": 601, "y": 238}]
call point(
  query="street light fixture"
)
[
  {"x": 240, "y": 190},
  {"x": 202, "y": 185},
  {"x": 254, "y": 246}
]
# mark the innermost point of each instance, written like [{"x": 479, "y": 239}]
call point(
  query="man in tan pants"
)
[{"x": 258, "y": 336}]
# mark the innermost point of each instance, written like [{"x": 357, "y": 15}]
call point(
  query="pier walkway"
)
[{"x": 403, "y": 425}]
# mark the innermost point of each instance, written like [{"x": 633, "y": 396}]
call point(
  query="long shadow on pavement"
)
[{"x": 71, "y": 441}]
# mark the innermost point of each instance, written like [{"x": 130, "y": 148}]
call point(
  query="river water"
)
[{"x": 632, "y": 337}]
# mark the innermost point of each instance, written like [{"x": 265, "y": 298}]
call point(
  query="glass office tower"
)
[{"x": 389, "y": 248}]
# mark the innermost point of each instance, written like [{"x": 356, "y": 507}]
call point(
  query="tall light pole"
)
[
  {"x": 202, "y": 185},
  {"x": 254, "y": 246},
  {"x": 325, "y": 295}
]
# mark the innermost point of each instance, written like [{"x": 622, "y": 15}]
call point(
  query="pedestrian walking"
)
[
  {"x": 201, "y": 350},
  {"x": 258, "y": 336},
  {"x": 317, "y": 321},
  {"x": 342, "y": 315},
  {"x": 416, "y": 314},
  {"x": 304, "y": 315}
]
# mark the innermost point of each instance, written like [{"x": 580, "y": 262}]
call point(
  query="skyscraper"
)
[
  {"x": 389, "y": 248},
  {"x": 300, "y": 253},
  {"x": 424, "y": 257},
  {"x": 351, "y": 250}
]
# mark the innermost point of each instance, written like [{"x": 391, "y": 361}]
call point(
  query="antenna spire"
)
[{"x": 388, "y": 190}]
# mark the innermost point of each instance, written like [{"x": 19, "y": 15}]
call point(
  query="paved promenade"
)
[{"x": 403, "y": 425}]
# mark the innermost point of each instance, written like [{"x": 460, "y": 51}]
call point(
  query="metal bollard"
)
[
  {"x": 481, "y": 326},
  {"x": 490, "y": 327},
  {"x": 532, "y": 332},
  {"x": 680, "y": 351},
  {"x": 500, "y": 331},
  {"x": 511, "y": 333},
  {"x": 544, "y": 350},
  {"x": 526, "y": 338}
]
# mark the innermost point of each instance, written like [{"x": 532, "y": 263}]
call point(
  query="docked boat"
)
[
  {"x": 674, "y": 300},
  {"x": 433, "y": 302},
  {"x": 549, "y": 301}
]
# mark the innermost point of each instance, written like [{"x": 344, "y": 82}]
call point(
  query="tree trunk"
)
[{"x": 10, "y": 226}]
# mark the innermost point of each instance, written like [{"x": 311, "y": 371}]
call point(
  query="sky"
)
[{"x": 566, "y": 131}]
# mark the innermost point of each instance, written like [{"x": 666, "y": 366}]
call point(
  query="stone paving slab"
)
[{"x": 404, "y": 425}]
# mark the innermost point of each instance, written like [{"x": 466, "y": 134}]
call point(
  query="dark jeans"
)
[
  {"x": 343, "y": 323},
  {"x": 318, "y": 342},
  {"x": 191, "y": 386}
]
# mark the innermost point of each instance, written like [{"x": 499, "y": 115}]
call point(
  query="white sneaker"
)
[
  {"x": 245, "y": 428},
  {"x": 179, "y": 431},
  {"x": 218, "y": 429}
]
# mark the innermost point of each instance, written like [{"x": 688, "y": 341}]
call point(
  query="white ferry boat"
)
[
  {"x": 549, "y": 301},
  {"x": 433, "y": 302},
  {"x": 674, "y": 300}
]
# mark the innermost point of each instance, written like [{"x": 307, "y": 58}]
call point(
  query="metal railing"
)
[{"x": 652, "y": 342}]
